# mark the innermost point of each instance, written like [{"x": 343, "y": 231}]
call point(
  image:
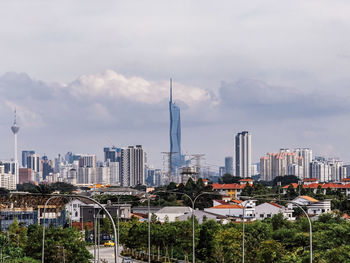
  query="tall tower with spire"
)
[
  {"x": 175, "y": 133},
  {"x": 15, "y": 130}
]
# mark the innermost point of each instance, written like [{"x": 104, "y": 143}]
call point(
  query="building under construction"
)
[{"x": 29, "y": 209}]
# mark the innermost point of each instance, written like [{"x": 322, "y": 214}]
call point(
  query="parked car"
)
[
  {"x": 109, "y": 243},
  {"x": 127, "y": 260}
]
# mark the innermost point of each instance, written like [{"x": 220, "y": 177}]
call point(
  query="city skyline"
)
[{"x": 283, "y": 86}]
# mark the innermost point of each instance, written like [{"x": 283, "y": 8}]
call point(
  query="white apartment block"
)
[
  {"x": 243, "y": 154},
  {"x": 132, "y": 166}
]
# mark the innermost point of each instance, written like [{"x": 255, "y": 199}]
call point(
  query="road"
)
[{"x": 107, "y": 253}]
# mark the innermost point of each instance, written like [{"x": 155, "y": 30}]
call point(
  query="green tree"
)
[
  {"x": 17, "y": 234},
  {"x": 57, "y": 239},
  {"x": 270, "y": 251},
  {"x": 206, "y": 248}
]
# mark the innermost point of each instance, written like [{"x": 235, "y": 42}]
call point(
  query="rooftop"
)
[{"x": 228, "y": 206}]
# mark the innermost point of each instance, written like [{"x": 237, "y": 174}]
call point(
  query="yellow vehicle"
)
[{"x": 109, "y": 243}]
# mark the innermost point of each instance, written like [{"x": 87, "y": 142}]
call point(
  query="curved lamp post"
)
[
  {"x": 116, "y": 256},
  {"x": 193, "y": 201}
]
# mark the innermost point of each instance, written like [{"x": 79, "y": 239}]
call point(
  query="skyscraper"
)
[
  {"x": 229, "y": 165},
  {"x": 175, "y": 133},
  {"x": 243, "y": 154},
  {"x": 15, "y": 130},
  {"x": 25, "y": 154}
]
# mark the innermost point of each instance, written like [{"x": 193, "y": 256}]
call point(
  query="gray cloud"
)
[{"x": 257, "y": 98}]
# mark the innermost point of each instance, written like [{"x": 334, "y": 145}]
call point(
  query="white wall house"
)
[
  {"x": 171, "y": 213},
  {"x": 232, "y": 210},
  {"x": 314, "y": 206},
  {"x": 268, "y": 210}
]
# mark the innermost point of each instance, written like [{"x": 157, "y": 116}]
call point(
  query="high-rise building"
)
[
  {"x": 243, "y": 154},
  {"x": 25, "y": 154},
  {"x": 132, "y": 166},
  {"x": 87, "y": 160},
  {"x": 175, "y": 133},
  {"x": 306, "y": 154},
  {"x": 111, "y": 154},
  {"x": 285, "y": 162},
  {"x": 25, "y": 175},
  {"x": 229, "y": 165},
  {"x": 15, "y": 130}
]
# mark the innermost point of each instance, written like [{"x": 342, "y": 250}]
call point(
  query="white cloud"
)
[
  {"x": 26, "y": 116},
  {"x": 111, "y": 85}
]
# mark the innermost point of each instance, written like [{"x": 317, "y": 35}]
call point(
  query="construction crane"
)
[{"x": 169, "y": 155}]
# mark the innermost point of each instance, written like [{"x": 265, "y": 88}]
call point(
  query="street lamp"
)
[
  {"x": 116, "y": 258},
  {"x": 193, "y": 201}
]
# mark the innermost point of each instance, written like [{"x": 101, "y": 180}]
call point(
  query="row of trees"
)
[
  {"x": 23, "y": 245},
  {"x": 271, "y": 240}
]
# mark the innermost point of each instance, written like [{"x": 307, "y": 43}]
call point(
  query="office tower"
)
[
  {"x": 229, "y": 165},
  {"x": 132, "y": 166},
  {"x": 15, "y": 130},
  {"x": 112, "y": 154},
  {"x": 175, "y": 134},
  {"x": 47, "y": 166},
  {"x": 306, "y": 154},
  {"x": 25, "y": 154},
  {"x": 69, "y": 157},
  {"x": 25, "y": 175},
  {"x": 243, "y": 154},
  {"x": 33, "y": 162}
]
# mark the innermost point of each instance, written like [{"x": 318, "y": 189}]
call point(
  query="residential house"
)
[
  {"x": 171, "y": 213},
  {"x": 268, "y": 210}
]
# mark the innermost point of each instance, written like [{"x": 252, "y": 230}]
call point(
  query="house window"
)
[
  {"x": 268, "y": 215},
  {"x": 261, "y": 215},
  {"x": 323, "y": 210}
]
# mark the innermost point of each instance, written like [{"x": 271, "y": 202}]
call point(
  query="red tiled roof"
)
[
  {"x": 246, "y": 180},
  {"x": 346, "y": 216},
  {"x": 277, "y": 205},
  {"x": 227, "y": 207},
  {"x": 312, "y": 185},
  {"x": 309, "y": 198},
  {"x": 227, "y": 186},
  {"x": 346, "y": 180},
  {"x": 237, "y": 201},
  {"x": 323, "y": 186},
  {"x": 310, "y": 180},
  {"x": 293, "y": 184}
]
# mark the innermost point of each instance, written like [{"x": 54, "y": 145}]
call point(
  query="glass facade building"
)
[{"x": 175, "y": 133}]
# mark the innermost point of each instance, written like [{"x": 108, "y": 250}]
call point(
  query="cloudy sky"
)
[{"x": 86, "y": 74}]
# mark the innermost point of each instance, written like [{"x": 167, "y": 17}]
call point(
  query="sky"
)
[{"x": 88, "y": 74}]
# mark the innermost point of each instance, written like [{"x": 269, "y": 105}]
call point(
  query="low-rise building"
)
[
  {"x": 313, "y": 206},
  {"x": 268, "y": 210},
  {"x": 235, "y": 210},
  {"x": 171, "y": 213},
  {"x": 201, "y": 216}
]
